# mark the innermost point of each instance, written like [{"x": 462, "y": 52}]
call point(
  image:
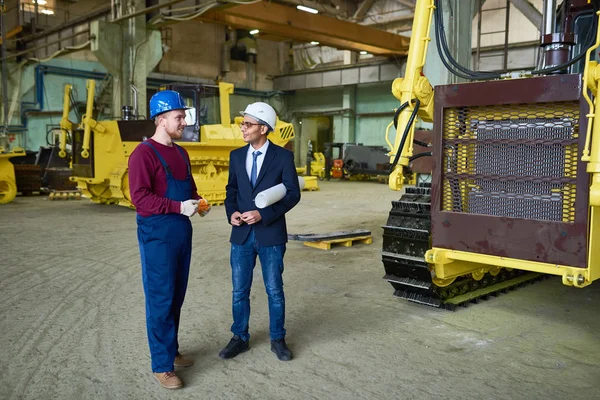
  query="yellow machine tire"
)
[
  {"x": 125, "y": 186},
  {"x": 8, "y": 191}
]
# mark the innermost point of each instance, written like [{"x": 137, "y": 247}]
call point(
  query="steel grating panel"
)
[{"x": 511, "y": 160}]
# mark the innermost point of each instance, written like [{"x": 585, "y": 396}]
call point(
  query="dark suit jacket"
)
[{"x": 278, "y": 167}]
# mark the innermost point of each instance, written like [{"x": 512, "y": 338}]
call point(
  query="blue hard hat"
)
[{"x": 166, "y": 100}]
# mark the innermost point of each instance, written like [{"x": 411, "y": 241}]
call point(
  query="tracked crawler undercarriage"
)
[{"x": 406, "y": 238}]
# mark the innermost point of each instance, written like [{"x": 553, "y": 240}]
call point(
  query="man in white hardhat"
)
[
  {"x": 261, "y": 113},
  {"x": 252, "y": 169}
]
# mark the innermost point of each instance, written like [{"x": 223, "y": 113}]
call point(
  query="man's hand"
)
[
  {"x": 251, "y": 217},
  {"x": 203, "y": 208},
  {"x": 236, "y": 218},
  {"x": 189, "y": 207}
]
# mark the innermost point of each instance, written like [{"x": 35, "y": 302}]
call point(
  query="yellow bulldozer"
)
[
  {"x": 515, "y": 186},
  {"x": 8, "y": 183},
  {"x": 100, "y": 149}
]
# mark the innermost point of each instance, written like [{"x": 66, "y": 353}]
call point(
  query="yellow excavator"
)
[
  {"x": 101, "y": 149},
  {"x": 515, "y": 187}
]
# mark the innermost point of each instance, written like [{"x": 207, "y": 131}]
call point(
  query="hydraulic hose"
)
[
  {"x": 444, "y": 52},
  {"x": 419, "y": 155},
  {"x": 422, "y": 144},
  {"x": 398, "y": 111},
  {"x": 411, "y": 120}
]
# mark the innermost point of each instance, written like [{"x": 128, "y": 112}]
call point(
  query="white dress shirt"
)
[{"x": 259, "y": 159}]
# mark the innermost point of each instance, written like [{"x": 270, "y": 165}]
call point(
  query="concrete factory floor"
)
[{"x": 72, "y": 316}]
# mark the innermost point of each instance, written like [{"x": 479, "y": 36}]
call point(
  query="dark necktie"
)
[{"x": 253, "y": 171}]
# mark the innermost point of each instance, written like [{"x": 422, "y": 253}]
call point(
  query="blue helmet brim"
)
[{"x": 172, "y": 109}]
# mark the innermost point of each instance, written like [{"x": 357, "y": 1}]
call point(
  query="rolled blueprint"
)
[{"x": 274, "y": 194}]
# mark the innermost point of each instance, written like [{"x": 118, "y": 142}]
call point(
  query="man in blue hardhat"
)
[{"x": 165, "y": 197}]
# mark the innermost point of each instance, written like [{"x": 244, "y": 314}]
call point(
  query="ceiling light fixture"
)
[
  {"x": 307, "y": 9},
  {"x": 363, "y": 52},
  {"x": 254, "y": 31},
  {"x": 315, "y": 43},
  {"x": 40, "y": 2},
  {"x": 47, "y": 12}
]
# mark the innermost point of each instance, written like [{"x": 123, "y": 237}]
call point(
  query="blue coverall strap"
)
[
  {"x": 189, "y": 167},
  {"x": 160, "y": 158}
]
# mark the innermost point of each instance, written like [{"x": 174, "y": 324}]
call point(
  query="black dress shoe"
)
[
  {"x": 235, "y": 346},
  {"x": 279, "y": 347}
]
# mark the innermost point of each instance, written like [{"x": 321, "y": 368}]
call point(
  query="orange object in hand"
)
[{"x": 203, "y": 207}]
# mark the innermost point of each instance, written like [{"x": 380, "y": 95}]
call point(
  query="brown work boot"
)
[
  {"x": 168, "y": 380},
  {"x": 181, "y": 361}
]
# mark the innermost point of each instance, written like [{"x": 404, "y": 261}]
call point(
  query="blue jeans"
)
[{"x": 243, "y": 260}]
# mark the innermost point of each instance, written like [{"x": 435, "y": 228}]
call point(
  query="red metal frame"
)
[{"x": 543, "y": 241}]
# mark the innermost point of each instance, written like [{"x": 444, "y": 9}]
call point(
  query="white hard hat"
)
[{"x": 263, "y": 113}]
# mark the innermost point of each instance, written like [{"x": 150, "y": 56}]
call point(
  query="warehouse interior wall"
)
[
  {"x": 375, "y": 106},
  {"x": 194, "y": 50},
  {"x": 373, "y": 110},
  {"x": 194, "y": 53},
  {"x": 38, "y": 107}
]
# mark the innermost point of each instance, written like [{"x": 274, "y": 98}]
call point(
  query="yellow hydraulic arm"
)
[
  {"x": 414, "y": 92},
  {"x": 65, "y": 124},
  {"x": 88, "y": 122}
]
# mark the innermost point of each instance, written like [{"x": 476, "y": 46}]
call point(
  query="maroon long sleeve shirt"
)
[{"x": 148, "y": 180}]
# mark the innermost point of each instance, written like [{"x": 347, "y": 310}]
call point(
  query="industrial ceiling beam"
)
[
  {"x": 276, "y": 19},
  {"x": 408, "y": 3},
  {"x": 529, "y": 11},
  {"x": 92, "y": 15},
  {"x": 347, "y": 7},
  {"x": 383, "y": 23},
  {"x": 11, "y": 33},
  {"x": 363, "y": 8},
  {"x": 395, "y": 26}
]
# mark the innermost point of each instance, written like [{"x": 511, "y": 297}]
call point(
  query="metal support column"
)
[
  {"x": 129, "y": 52},
  {"x": 4, "y": 75},
  {"x": 507, "y": 20},
  {"x": 349, "y": 118}
]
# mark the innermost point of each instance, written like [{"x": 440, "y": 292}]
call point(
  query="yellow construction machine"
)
[
  {"x": 8, "y": 183},
  {"x": 101, "y": 149},
  {"x": 315, "y": 165},
  {"x": 515, "y": 187}
]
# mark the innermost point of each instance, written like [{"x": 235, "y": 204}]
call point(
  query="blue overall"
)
[{"x": 165, "y": 247}]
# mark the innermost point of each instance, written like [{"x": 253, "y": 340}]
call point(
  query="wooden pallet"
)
[
  {"x": 346, "y": 242},
  {"x": 65, "y": 195}
]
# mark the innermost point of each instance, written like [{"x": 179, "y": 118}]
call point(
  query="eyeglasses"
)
[{"x": 247, "y": 124}]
